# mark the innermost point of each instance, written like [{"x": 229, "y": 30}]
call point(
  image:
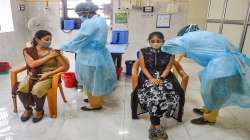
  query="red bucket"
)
[
  {"x": 69, "y": 79},
  {"x": 4, "y": 66}
]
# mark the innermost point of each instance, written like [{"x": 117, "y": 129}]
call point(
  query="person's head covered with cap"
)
[
  {"x": 86, "y": 9},
  {"x": 187, "y": 29}
]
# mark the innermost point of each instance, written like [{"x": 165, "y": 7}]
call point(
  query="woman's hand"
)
[
  {"x": 54, "y": 53},
  {"x": 155, "y": 81},
  {"x": 43, "y": 76}
]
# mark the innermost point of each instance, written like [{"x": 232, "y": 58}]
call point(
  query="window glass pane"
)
[
  {"x": 213, "y": 27},
  {"x": 216, "y": 9},
  {"x": 73, "y": 3},
  {"x": 6, "y": 21},
  {"x": 232, "y": 33},
  {"x": 236, "y": 9},
  {"x": 72, "y": 14}
]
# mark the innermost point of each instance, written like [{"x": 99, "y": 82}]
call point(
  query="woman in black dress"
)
[{"x": 158, "y": 90}]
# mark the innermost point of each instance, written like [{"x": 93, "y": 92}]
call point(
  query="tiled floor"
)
[{"x": 114, "y": 121}]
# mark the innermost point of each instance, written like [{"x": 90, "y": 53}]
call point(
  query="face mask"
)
[
  {"x": 45, "y": 44},
  {"x": 83, "y": 18},
  {"x": 156, "y": 45}
]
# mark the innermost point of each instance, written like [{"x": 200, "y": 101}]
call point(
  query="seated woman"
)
[
  {"x": 158, "y": 90},
  {"x": 42, "y": 63}
]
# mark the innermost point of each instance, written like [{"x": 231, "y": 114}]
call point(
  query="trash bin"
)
[
  {"x": 4, "y": 67},
  {"x": 129, "y": 65},
  {"x": 69, "y": 79}
]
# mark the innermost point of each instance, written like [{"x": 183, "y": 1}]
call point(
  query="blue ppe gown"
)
[
  {"x": 225, "y": 79},
  {"x": 95, "y": 69}
]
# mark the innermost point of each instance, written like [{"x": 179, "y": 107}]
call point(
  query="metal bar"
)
[
  {"x": 223, "y": 15},
  {"x": 64, "y": 8},
  {"x": 209, "y": 8},
  {"x": 238, "y": 22},
  {"x": 208, "y": 12},
  {"x": 119, "y": 4},
  {"x": 243, "y": 35}
]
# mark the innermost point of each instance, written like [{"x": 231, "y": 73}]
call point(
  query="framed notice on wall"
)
[
  {"x": 121, "y": 16},
  {"x": 163, "y": 21}
]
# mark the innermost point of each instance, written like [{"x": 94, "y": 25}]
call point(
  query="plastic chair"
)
[{"x": 52, "y": 93}]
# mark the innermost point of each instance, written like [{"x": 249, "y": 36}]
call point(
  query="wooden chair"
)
[
  {"x": 52, "y": 93},
  {"x": 176, "y": 66}
]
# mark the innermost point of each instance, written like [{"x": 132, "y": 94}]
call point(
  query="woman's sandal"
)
[
  {"x": 36, "y": 119},
  {"x": 85, "y": 108},
  {"x": 161, "y": 133},
  {"x": 86, "y": 100},
  {"x": 26, "y": 115}
]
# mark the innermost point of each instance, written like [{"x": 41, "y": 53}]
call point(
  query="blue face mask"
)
[
  {"x": 45, "y": 44},
  {"x": 83, "y": 18}
]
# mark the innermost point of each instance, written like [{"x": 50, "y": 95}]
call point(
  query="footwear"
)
[
  {"x": 151, "y": 133},
  {"x": 38, "y": 116},
  {"x": 201, "y": 121},
  {"x": 135, "y": 117},
  {"x": 85, "y": 108},
  {"x": 79, "y": 88},
  {"x": 26, "y": 115},
  {"x": 86, "y": 100},
  {"x": 161, "y": 133},
  {"x": 198, "y": 111}
]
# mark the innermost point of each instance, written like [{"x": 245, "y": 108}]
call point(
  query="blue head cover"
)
[
  {"x": 86, "y": 7},
  {"x": 188, "y": 28}
]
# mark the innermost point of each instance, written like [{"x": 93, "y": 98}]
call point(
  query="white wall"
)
[
  {"x": 197, "y": 12},
  {"x": 12, "y": 43}
]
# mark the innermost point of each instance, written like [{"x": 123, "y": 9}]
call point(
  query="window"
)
[
  {"x": 6, "y": 21},
  {"x": 104, "y": 8}
]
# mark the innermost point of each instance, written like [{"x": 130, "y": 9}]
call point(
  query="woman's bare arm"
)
[
  {"x": 35, "y": 63},
  {"x": 168, "y": 67},
  {"x": 143, "y": 67}
]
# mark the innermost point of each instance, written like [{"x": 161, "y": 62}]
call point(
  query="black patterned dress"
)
[{"x": 167, "y": 98}]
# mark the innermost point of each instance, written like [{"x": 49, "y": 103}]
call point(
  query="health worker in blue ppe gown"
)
[
  {"x": 225, "y": 79},
  {"x": 95, "y": 69}
]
